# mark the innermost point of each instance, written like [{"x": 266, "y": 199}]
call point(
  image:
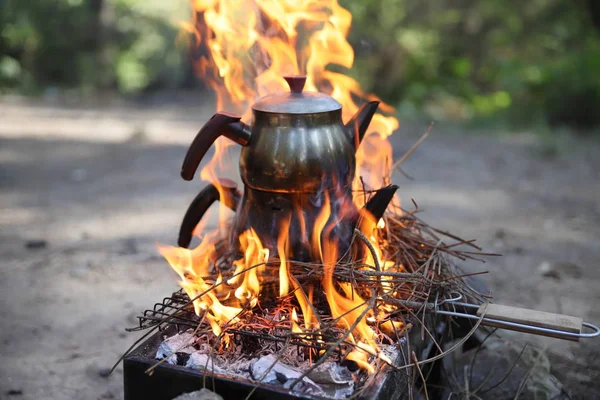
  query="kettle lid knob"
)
[{"x": 296, "y": 82}]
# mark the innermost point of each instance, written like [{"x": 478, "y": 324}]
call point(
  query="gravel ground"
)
[{"x": 87, "y": 192}]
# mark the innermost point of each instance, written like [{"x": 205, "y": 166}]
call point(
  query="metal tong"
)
[{"x": 518, "y": 319}]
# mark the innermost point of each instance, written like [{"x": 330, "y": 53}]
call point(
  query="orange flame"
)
[
  {"x": 190, "y": 272},
  {"x": 348, "y": 309},
  {"x": 255, "y": 255},
  {"x": 282, "y": 242},
  {"x": 247, "y": 47},
  {"x": 310, "y": 321}
]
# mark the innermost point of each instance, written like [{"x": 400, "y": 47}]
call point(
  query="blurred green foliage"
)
[
  {"x": 127, "y": 45},
  {"x": 528, "y": 61},
  {"x": 524, "y": 61}
]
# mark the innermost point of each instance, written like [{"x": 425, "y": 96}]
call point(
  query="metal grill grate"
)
[
  {"x": 180, "y": 313},
  {"x": 177, "y": 308}
]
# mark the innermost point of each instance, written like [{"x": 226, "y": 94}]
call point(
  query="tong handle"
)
[
  {"x": 521, "y": 319},
  {"x": 529, "y": 321}
]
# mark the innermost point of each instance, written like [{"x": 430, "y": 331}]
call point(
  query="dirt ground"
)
[{"x": 87, "y": 192}]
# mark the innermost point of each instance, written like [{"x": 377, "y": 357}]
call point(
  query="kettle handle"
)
[
  {"x": 221, "y": 123},
  {"x": 207, "y": 196}
]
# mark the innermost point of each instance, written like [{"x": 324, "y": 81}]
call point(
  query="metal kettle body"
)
[
  {"x": 297, "y": 162},
  {"x": 297, "y": 153}
]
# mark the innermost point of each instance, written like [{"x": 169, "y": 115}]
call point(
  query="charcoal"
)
[
  {"x": 306, "y": 386},
  {"x": 331, "y": 372},
  {"x": 281, "y": 378},
  {"x": 335, "y": 379},
  {"x": 351, "y": 365},
  {"x": 240, "y": 367},
  {"x": 182, "y": 358},
  {"x": 202, "y": 394},
  {"x": 179, "y": 343},
  {"x": 202, "y": 361},
  {"x": 269, "y": 370}
]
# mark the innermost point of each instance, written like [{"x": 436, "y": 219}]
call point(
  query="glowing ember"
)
[{"x": 252, "y": 44}]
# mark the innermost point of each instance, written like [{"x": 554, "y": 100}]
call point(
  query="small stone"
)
[
  {"x": 558, "y": 270},
  {"x": 545, "y": 269},
  {"x": 36, "y": 244},
  {"x": 104, "y": 372},
  {"x": 500, "y": 234},
  {"x": 79, "y": 272},
  {"x": 14, "y": 392},
  {"x": 499, "y": 361},
  {"x": 202, "y": 394}
]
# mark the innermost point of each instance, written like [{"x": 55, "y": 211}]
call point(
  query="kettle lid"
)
[{"x": 296, "y": 101}]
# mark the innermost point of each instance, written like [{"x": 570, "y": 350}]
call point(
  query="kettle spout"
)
[
  {"x": 358, "y": 124},
  {"x": 377, "y": 204},
  {"x": 376, "y": 207}
]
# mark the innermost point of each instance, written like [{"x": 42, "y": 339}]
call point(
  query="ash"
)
[{"x": 329, "y": 380}]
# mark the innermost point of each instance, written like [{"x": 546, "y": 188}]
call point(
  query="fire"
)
[
  {"x": 252, "y": 44},
  {"x": 305, "y": 302},
  {"x": 190, "y": 272},
  {"x": 349, "y": 309},
  {"x": 248, "y": 46},
  {"x": 282, "y": 243},
  {"x": 319, "y": 226}
]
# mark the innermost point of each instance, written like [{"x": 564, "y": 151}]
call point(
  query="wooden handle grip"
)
[{"x": 534, "y": 318}]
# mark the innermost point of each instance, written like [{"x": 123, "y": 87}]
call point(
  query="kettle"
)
[{"x": 297, "y": 158}]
